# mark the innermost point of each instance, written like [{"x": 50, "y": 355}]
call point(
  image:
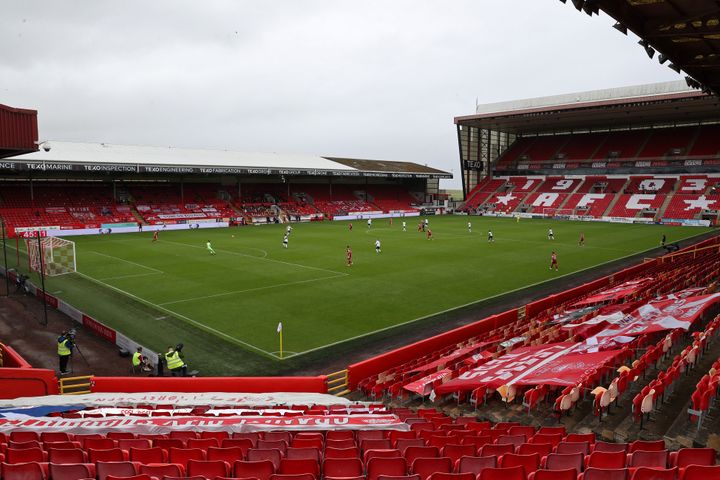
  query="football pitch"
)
[{"x": 226, "y": 307}]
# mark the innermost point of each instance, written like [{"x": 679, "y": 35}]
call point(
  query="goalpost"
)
[
  {"x": 54, "y": 255},
  {"x": 550, "y": 212}
]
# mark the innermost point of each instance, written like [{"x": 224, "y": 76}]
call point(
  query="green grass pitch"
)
[{"x": 226, "y": 307}]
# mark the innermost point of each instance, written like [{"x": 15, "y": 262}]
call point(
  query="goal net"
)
[
  {"x": 52, "y": 255},
  {"x": 557, "y": 212}
]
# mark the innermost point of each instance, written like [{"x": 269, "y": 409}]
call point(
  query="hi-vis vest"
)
[
  {"x": 63, "y": 350},
  {"x": 136, "y": 359},
  {"x": 173, "y": 360}
]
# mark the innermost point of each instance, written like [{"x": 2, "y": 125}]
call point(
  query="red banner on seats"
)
[
  {"x": 555, "y": 364},
  {"x": 661, "y": 315},
  {"x": 423, "y": 386},
  {"x": 615, "y": 293},
  {"x": 234, "y": 424}
]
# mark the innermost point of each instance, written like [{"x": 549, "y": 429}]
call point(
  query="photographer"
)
[
  {"x": 21, "y": 283},
  {"x": 174, "y": 361},
  {"x": 65, "y": 346}
]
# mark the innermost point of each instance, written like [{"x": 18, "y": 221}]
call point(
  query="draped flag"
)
[{"x": 615, "y": 293}]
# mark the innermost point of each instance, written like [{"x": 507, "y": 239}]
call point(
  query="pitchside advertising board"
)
[{"x": 145, "y": 168}]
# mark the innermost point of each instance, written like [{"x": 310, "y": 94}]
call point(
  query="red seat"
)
[
  {"x": 260, "y": 469},
  {"x": 25, "y": 455},
  {"x": 403, "y": 443},
  {"x": 352, "y": 452},
  {"x": 529, "y": 462},
  {"x": 580, "y": 437},
  {"x": 292, "y": 476},
  {"x": 148, "y": 455},
  {"x": 551, "y": 438},
  {"x": 341, "y": 435},
  {"x": 308, "y": 443},
  {"x": 646, "y": 473},
  {"x": 160, "y": 470},
  {"x": 280, "y": 445},
  {"x": 208, "y": 468},
  {"x": 24, "y": 436},
  {"x": 386, "y": 466},
  {"x": 219, "y": 436},
  {"x": 412, "y": 453},
  {"x": 230, "y": 454},
  {"x": 426, "y": 466},
  {"x": 243, "y": 443},
  {"x": 496, "y": 450},
  {"x": 525, "y": 430},
  {"x": 454, "y": 452},
  {"x": 451, "y": 476},
  {"x": 692, "y": 456},
  {"x": 252, "y": 436},
  {"x": 573, "y": 447},
  {"x": 398, "y": 477},
  {"x": 47, "y": 437},
  {"x": 168, "y": 443},
  {"x": 509, "y": 473},
  {"x": 475, "y": 465},
  {"x": 183, "y": 435},
  {"x": 347, "y": 443},
  {"x": 71, "y": 471},
  {"x": 256, "y": 454},
  {"x": 381, "y": 453},
  {"x": 140, "y": 476},
  {"x": 202, "y": 443},
  {"x": 375, "y": 444},
  {"x": 363, "y": 435},
  {"x": 290, "y": 466},
  {"x": 67, "y": 455},
  {"x": 478, "y": 440},
  {"x": 541, "y": 449},
  {"x": 610, "y": 447},
  {"x": 121, "y": 435},
  {"x": 568, "y": 474},
  {"x": 396, "y": 435},
  {"x": 22, "y": 471},
  {"x": 277, "y": 436},
  {"x": 128, "y": 443},
  {"x": 564, "y": 461},
  {"x": 342, "y": 467},
  {"x": 514, "y": 440},
  {"x": 109, "y": 455},
  {"x": 606, "y": 460},
  {"x": 303, "y": 453},
  {"x": 604, "y": 474},
  {"x": 643, "y": 458},
  {"x": 700, "y": 472},
  {"x": 115, "y": 469},
  {"x": 98, "y": 443},
  {"x": 25, "y": 445},
  {"x": 182, "y": 456},
  {"x": 647, "y": 445}
]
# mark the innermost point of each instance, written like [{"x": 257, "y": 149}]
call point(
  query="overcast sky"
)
[{"x": 367, "y": 79}]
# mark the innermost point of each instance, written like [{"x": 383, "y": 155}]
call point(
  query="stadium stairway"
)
[
  {"x": 661, "y": 211},
  {"x": 616, "y": 199}
]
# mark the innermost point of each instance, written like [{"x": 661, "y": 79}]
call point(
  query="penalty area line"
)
[
  {"x": 183, "y": 317},
  {"x": 267, "y": 287},
  {"x": 259, "y": 258},
  {"x": 126, "y": 261}
]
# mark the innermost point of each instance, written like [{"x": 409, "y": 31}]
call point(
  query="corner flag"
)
[{"x": 279, "y": 331}]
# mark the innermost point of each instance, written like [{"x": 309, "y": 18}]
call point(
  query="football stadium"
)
[{"x": 218, "y": 314}]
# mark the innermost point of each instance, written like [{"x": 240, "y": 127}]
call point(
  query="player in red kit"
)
[
  {"x": 582, "y": 239},
  {"x": 348, "y": 255},
  {"x": 155, "y": 236},
  {"x": 429, "y": 234},
  {"x": 350, "y": 227},
  {"x": 553, "y": 261}
]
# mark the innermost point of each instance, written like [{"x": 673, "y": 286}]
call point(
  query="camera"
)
[{"x": 179, "y": 347}]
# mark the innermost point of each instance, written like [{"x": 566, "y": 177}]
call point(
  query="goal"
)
[
  {"x": 550, "y": 212},
  {"x": 56, "y": 256}
]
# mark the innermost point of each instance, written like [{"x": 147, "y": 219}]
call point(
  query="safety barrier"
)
[
  {"x": 337, "y": 383},
  {"x": 75, "y": 385}
]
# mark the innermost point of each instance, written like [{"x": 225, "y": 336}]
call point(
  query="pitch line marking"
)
[
  {"x": 127, "y": 261},
  {"x": 202, "y": 326},
  {"x": 120, "y": 277},
  {"x": 260, "y": 258},
  {"x": 267, "y": 287}
]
